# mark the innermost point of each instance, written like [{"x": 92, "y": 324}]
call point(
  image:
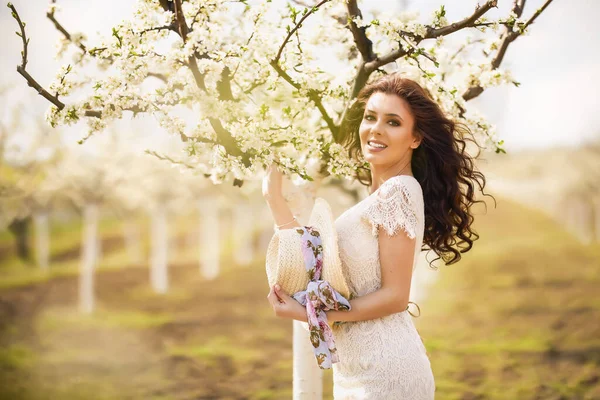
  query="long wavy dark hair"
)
[{"x": 440, "y": 163}]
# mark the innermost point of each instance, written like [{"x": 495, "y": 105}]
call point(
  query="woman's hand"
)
[
  {"x": 286, "y": 306},
  {"x": 272, "y": 183}
]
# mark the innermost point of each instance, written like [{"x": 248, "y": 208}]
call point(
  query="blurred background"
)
[{"x": 125, "y": 278}]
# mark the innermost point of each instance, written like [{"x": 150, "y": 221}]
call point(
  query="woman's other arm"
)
[
  {"x": 272, "y": 193},
  {"x": 396, "y": 255}
]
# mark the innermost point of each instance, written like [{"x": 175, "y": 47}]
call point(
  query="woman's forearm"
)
[
  {"x": 281, "y": 212},
  {"x": 380, "y": 303}
]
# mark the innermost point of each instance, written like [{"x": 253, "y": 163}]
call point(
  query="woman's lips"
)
[{"x": 373, "y": 149}]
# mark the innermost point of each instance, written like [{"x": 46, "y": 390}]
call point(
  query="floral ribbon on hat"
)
[{"x": 318, "y": 298}]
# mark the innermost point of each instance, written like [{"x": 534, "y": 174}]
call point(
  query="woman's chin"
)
[{"x": 374, "y": 159}]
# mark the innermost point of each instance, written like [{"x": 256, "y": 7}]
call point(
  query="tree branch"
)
[
  {"x": 94, "y": 51},
  {"x": 62, "y": 30},
  {"x": 183, "y": 30},
  {"x": 433, "y": 33},
  {"x": 293, "y": 30},
  {"x": 21, "y": 68},
  {"x": 536, "y": 14},
  {"x": 363, "y": 43},
  {"x": 313, "y": 95},
  {"x": 508, "y": 36},
  {"x": 164, "y": 157}
]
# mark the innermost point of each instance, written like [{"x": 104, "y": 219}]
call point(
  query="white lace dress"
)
[{"x": 382, "y": 358}]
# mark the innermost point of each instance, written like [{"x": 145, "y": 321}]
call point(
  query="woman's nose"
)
[{"x": 377, "y": 128}]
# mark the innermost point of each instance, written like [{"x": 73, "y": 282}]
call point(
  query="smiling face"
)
[{"x": 386, "y": 131}]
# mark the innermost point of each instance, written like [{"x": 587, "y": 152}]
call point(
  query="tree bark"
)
[
  {"x": 210, "y": 239},
  {"x": 307, "y": 376},
  {"x": 20, "y": 230},
  {"x": 242, "y": 232},
  {"x": 133, "y": 242},
  {"x": 159, "y": 251},
  {"x": 88, "y": 258},
  {"x": 42, "y": 240}
]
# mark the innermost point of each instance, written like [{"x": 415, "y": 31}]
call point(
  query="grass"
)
[{"x": 517, "y": 308}]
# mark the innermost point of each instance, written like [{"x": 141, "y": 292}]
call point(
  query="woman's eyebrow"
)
[{"x": 389, "y": 114}]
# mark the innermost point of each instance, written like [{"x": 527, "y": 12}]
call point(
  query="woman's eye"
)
[
  {"x": 369, "y": 117},
  {"x": 394, "y": 123}
]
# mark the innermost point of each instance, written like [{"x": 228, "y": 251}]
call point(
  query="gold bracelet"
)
[{"x": 287, "y": 223}]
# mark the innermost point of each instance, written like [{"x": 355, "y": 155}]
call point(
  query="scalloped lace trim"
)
[{"x": 393, "y": 208}]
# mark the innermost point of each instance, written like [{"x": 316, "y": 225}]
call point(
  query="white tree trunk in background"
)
[
  {"x": 308, "y": 377},
  {"x": 133, "y": 242},
  {"x": 42, "y": 240},
  {"x": 582, "y": 220},
  {"x": 596, "y": 205},
  {"x": 210, "y": 239},
  {"x": 88, "y": 258},
  {"x": 159, "y": 277},
  {"x": 242, "y": 233},
  {"x": 99, "y": 248}
]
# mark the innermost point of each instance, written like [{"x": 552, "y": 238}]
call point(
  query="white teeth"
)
[{"x": 379, "y": 146}]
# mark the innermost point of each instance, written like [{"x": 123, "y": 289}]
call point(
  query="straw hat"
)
[{"x": 285, "y": 262}]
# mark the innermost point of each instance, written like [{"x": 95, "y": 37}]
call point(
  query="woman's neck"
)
[{"x": 382, "y": 174}]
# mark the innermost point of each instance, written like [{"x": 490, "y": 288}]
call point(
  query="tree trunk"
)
[
  {"x": 133, "y": 242},
  {"x": 20, "y": 229},
  {"x": 42, "y": 240},
  {"x": 242, "y": 233},
  {"x": 159, "y": 251},
  {"x": 210, "y": 238},
  {"x": 99, "y": 248},
  {"x": 89, "y": 255},
  {"x": 307, "y": 376},
  {"x": 596, "y": 206}
]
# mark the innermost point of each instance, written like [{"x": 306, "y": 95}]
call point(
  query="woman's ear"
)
[
  {"x": 415, "y": 143},
  {"x": 416, "y": 140}
]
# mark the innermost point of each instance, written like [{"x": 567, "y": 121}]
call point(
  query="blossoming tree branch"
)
[{"x": 247, "y": 83}]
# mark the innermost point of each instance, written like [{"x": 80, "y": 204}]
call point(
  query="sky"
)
[{"x": 557, "y": 64}]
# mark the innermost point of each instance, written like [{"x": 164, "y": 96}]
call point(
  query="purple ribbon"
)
[{"x": 318, "y": 298}]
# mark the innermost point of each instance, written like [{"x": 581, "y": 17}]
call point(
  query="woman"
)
[{"x": 422, "y": 189}]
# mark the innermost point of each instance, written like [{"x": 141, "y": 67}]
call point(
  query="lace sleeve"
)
[{"x": 393, "y": 208}]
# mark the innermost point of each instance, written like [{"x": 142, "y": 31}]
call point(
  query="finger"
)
[
  {"x": 272, "y": 297},
  {"x": 281, "y": 295}
]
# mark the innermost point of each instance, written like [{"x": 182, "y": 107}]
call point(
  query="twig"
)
[
  {"x": 536, "y": 14},
  {"x": 21, "y": 68},
  {"x": 62, "y": 30},
  {"x": 295, "y": 28},
  {"x": 433, "y": 33},
  {"x": 171, "y": 27},
  {"x": 196, "y": 16},
  {"x": 313, "y": 95},
  {"x": 167, "y": 158},
  {"x": 508, "y": 36}
]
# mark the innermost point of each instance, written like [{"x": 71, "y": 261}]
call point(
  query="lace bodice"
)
[
  {"x": 397, "y": 206},
  {"x": 382, "y": 358}
]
